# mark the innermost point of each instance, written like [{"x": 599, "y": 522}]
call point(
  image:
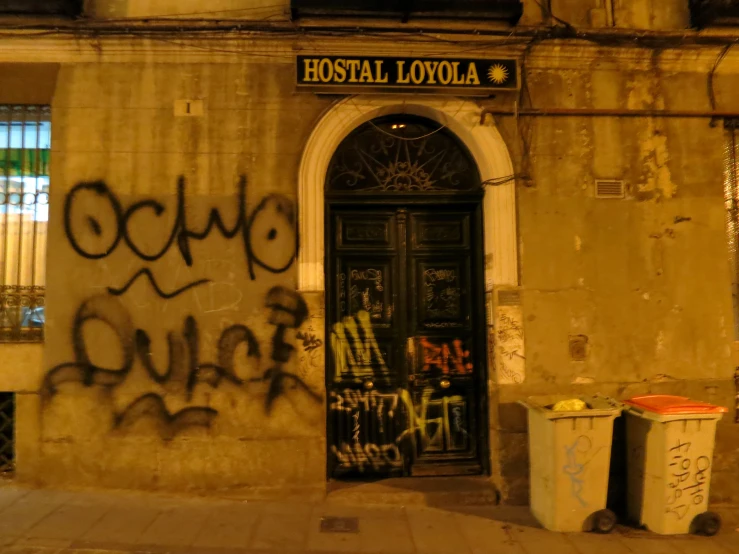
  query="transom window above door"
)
[{"x": 402, "y": 154}]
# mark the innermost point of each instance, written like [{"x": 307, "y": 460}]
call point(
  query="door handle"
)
[{"x": 444, "y": 383}]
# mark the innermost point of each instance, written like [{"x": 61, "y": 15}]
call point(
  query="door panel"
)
[
  {"x": 442, "y": 379},
  {"x": 404, "y": 334}
]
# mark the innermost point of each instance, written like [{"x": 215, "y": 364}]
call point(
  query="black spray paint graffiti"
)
[
  {"x": 184, "y": 370},
  {"x": 155, "y": 285},
  {"x": 310, "y": 341},
  {"x": 272, "y": 219},
  {"x": 289, "y": 311}
]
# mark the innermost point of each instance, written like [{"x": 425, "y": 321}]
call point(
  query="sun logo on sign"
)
[{"x": 498, "y": 74}]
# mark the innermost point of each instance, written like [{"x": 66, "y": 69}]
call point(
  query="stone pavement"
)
[{"x": 54, "y": 521}]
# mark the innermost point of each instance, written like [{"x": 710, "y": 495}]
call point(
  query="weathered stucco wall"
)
[
  {"x": 171, "y": 359},
  {"x": 644, "y": 281}
]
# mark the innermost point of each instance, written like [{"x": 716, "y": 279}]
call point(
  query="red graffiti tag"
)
[{"x": 441, "y": 357}]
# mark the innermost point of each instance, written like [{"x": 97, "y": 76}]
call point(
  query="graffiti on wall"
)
[
  {"x": 94, "y": 236},
  {"x": 509, "y": 345}
]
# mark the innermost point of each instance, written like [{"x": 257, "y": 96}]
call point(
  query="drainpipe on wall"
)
[{"x": 610, "y": 15}]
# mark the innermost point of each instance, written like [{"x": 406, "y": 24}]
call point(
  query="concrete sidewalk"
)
[{"x": 53, "y": 521}]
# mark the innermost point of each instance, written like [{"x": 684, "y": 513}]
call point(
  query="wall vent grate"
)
[{"x": 609, "y": 189}]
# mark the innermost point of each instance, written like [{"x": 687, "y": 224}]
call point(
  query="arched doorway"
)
[{"x": 406, "y": 367}]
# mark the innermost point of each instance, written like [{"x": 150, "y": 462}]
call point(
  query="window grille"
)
[
  {"x": 25, "y": 146},
  {"x": 7, "y": 433}
]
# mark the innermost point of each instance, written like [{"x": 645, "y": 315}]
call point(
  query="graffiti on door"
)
[
  {"x": 355, "y": 348},
  {"x": 381, "y": 426},
  {"x": 440, "y": 357}
]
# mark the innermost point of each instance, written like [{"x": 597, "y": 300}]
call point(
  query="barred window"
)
[{"x": 25, "y": 146}]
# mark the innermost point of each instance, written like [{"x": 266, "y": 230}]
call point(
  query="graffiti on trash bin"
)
[
  {"x": 576, "y": 454},
  {"x": 686, "y": 484}
]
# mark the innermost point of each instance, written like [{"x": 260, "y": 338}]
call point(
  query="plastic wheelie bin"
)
[
  {"x": 570, "y": 455},
  {"x": 670, "y": 443}
]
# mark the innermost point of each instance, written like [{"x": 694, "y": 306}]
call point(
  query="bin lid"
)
[{"x": 666, "y": 404}]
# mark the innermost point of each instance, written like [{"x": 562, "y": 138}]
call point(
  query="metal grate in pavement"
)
[{"x": 339, "y": 525}]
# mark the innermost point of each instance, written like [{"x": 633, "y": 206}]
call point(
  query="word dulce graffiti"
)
[
  {"x": 688, "y": 479},
  {"x": 443, "y": 358},
  {"x": 185, "y": 370},
  {"x": 272, "y": 220}
]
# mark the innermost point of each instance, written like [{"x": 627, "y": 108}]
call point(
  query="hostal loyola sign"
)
[{"x": 337, "y": 73}]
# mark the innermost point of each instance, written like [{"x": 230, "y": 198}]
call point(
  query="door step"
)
[{"x": 423, "y": 491}]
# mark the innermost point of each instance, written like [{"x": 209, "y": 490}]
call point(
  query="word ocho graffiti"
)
[
  {"x": 688, "y": 475},
  {"x": 270, "y": 224},
  {"x": 185, "y": 370}
]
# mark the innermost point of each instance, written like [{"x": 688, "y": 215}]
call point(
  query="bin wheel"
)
[
  {"x": 707, "y": 523},
  {"x": 604, "y": 521}
]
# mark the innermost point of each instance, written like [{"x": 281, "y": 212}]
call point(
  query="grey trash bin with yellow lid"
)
[
  {"x": 569, "y": 461},
  {"x": 670, "y": 442}
]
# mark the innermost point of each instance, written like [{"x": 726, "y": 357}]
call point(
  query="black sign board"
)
[{"x": 360, "y": 73}]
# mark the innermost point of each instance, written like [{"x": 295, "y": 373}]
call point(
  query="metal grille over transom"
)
[
  {"x": 407, "y": 155},
  {"x": 25, "y": 146}
]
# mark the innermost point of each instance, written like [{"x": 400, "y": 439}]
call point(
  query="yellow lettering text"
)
[
  {"x": 366, "y": 75},
  {"x": 445, "y": 72},
  {"x": 310, "y": 68},
  {"x": 379, "y": 77},
  {"x": 417, "y": 72},
  {"x": 430, "y": 71},
  {"x": 458, "y": 79},
  {"x": 401, "y": 78},
  {"x": 472, "y": 78},
  {"x": 340, "y": 70},
  {"x": 326, "y": 70},
  {"x": 352, "y": 65}
]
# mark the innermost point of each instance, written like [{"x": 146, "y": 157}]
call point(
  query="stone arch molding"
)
[{"x": 462, "y": 117}]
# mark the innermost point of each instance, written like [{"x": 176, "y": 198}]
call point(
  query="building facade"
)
[{"x": 288, "y": 243}]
